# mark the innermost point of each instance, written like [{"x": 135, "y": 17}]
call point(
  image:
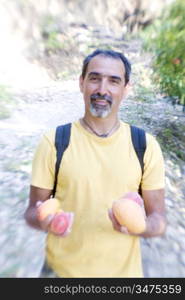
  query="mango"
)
[
  {"x": 129, "y": 212},
  {"x": 50, "y": 206},
  {"x": 61, "y": 222}
]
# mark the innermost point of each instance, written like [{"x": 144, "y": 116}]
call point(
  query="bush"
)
[{"x": 168, "y": 43}]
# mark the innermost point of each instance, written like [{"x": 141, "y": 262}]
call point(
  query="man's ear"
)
[
  {"x": 81, "y": 83},
  {"x": 128, "y": 89}
]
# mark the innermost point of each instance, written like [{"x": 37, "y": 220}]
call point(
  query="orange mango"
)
[
  {"x": 130, "y": 214},
  {"x": 50, "y": 206}
]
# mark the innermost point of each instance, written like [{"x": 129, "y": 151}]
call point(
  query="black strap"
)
[
  {"x": 62, "y": 137},
  {"x": 139, "y": 143}
]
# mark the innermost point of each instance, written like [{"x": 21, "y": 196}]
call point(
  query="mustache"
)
[{"x": 101, "y": 97}]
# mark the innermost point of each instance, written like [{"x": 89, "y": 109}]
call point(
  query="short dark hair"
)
[{"x": 108, "y": 53}]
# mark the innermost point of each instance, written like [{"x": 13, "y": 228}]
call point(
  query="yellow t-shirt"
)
[{"x": 94, "y": 172}]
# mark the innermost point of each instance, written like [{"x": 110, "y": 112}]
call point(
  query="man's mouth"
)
[
  {"x": 101, "y": 99},
  {"x": 100, "y": 102}
]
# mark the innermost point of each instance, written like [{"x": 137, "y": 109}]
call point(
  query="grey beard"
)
[{"x": 99, "y": 112}]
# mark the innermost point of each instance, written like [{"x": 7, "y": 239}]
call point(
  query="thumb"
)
[{"x": 38, "y": 203}]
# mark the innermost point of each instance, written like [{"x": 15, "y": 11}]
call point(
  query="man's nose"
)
[{"x": 102, "y": 87}]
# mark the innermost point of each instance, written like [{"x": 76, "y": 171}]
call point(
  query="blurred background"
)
[{"x": 42, "y": 45}]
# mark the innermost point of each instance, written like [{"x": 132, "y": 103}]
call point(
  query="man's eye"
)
[
  {"x": 114, "y": 81},
  {"x": 94, "y": 78}
]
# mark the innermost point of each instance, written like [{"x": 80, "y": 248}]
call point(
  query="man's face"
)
[{"x": 103, "y": 87}]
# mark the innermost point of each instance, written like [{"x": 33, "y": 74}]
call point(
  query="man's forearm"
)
[
  {"x": 155, "y": 225},
  {"x": 31, "y": 218}
]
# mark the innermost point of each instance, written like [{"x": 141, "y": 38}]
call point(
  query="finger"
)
[
  {"x": 67, "y": 232},
  {"x": 71, "y": 219},
  {"x": 115, "y": 223},
  {"x": 69, "y": 228},
  {"x": 38, "y": 203},
  {"x": 110, "y": 214},
  {"x": 124, "y": 230},
  {"x": 45, "y": 224},
  {"x": 113, "y": 218}
]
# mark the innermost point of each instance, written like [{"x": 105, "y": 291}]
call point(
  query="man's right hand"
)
[
  {"x": 59, "y": 223},
  {"x": 33, "y": 218},
  {"x": 46, "y": 222}
]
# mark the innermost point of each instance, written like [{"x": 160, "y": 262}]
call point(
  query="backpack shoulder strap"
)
[
  {"x": 139, "y": 142},
  {"x": 62, "y": 137}
]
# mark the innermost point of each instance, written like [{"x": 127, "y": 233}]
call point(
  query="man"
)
[{"x": 98, "y": 167}]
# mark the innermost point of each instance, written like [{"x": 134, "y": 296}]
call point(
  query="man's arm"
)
[
  {"x": 36, "y": 195},
  {"x": 155, "y": 213}
]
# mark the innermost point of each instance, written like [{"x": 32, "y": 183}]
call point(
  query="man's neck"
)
[{"x": 100, "y": 125}]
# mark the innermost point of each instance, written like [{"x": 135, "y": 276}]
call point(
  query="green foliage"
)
[
  {"x": 167, "y": 40},
  {"x": 172, "y": 139},
  {"x": 56, "y": 41},
  {"x": 52, "y": 42},
  {"x": 51, "y": 34},
  {"x": 5, "y": 101}
]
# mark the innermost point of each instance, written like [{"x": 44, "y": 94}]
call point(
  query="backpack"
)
[{"x": 62, "y": 137}]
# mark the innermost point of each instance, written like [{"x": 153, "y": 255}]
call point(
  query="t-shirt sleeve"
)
[
  {"x": 43, "y": 164},
  {"x": 154, "y": 169}
]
